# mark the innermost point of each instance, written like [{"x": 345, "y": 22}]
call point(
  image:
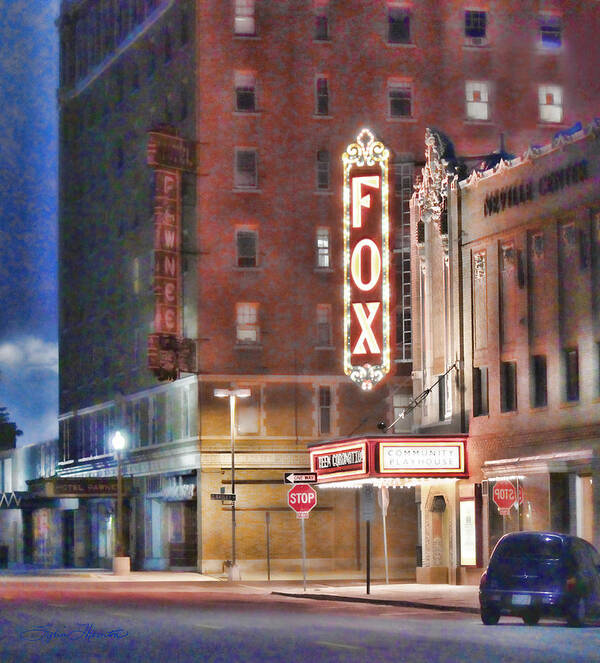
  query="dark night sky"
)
[{"x": 28, "y": 210}]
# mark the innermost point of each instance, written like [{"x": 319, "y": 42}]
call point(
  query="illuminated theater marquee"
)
[{"x": 366, "y": 261}]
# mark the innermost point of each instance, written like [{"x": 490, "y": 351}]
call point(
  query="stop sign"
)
[
  {"x": 302, "y": 498},
  {"x": 504, "y": 494}
]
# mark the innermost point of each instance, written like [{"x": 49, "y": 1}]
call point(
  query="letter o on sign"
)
[{"x": 356, "y": 264}]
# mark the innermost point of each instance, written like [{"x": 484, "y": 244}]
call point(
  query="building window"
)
[
  {"x": 508, "y": 386},
  {"x": 322, "y": 95},
  {"x": 245, "y": 169},
  {"x": 323, "y": 170},
  {"x": 244, "y": 22},
  {"x": 323, "y": 325},
  {"x": 245, "y": 91},
  {"x": 400, "y": 99},
  {"x": 324, "y": 410},
  {"x": 550, "y": 103},
  {"x": 571, "y": 363},
  {"x": 398, "y": 25},
  {"x": 442, "y": 397},
  {"x": 247, "y": 331},
  {"x": 537, "y": 244},
  {"x": 246, "y": 244},
  {"x": 550, "y": 31},
  {"x": 323, "y": 248},
  {"x": 477, "y": 94},
  {"x": 539, "y": 381},
  {"x": 322, "y": 21},
  {"x": 475, "y": 27},
  {"x": 480, "y": 391},
  {"x": 248, "y": 413}
]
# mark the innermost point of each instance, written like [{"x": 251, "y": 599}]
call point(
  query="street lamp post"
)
[
  {"x": 232, "y": 394},
  {"x": 121, "y": 562}
]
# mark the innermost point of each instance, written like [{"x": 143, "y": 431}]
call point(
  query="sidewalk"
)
[
  {"x": 457, "y": 598},
  {"x": 319, "y": 586}
]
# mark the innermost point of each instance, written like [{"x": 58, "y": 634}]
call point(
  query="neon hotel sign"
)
[{"x": 367, "y": 334}]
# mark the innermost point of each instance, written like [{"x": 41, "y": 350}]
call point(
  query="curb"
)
[{"x": 394, "y": 602}]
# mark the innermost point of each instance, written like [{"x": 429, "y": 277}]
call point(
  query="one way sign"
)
[{"x": 300, "y": 477}]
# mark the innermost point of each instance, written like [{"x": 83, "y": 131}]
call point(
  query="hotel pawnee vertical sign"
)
[
  {"x": 367, "y": 322},
  {"x": 168, "y": 351}
]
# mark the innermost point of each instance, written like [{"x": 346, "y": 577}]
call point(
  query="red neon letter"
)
[
  {"x": 366, "y": 333},
  {"x": 358, "y": 200}
]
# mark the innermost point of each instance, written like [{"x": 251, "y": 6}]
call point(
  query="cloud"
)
[
  {"x": 29, "y": 386},
  {"x": 29, "y": 354}
]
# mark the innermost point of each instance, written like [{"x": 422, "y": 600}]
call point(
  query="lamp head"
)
[{"x": 118, "y": 441}]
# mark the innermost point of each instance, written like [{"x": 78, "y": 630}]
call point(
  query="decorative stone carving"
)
[
  {"x": 479, "y": 265},
  {"x": 432, "y": 190}
]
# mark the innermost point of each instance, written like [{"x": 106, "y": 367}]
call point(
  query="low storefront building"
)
[{"x": 419, "y": 477}]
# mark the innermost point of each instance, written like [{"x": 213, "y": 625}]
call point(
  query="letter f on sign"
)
[
  {"x": 366, "y": 333},
  {"x": 358, "y": 200}
]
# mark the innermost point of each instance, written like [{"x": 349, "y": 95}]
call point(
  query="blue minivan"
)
[{"x": 541, "y": 574}]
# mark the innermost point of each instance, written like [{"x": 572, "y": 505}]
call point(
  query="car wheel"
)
[
  {"x": 490, "y": 616},
  {"x": 531, "y": 618},
  {"x": 576, "y": 612}
]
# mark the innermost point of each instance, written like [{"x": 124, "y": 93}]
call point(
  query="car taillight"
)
[
  {"x": 571, "y": 584},
  {"x": 483, "y": 581}
]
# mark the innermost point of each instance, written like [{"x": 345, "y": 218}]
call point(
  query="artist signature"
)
[{"x": 47, "y": 632}]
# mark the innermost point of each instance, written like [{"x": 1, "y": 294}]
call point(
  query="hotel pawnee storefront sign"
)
[{"x": 448, "y": 523}]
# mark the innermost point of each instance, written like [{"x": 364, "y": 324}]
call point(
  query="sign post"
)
[
  {"x": 302, "y": 498},
  {"x": 383, "y": 497},
  {"x": 368, "y": 514}
]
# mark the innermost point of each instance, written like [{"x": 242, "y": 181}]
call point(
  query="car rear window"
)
[{"x": 541, "y": 547}]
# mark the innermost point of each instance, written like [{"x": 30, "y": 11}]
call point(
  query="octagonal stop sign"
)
[
  {"x": 302, "y": 498},
  {"x": 504, "y": 495}
]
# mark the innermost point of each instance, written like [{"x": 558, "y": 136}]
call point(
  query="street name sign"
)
[
  {"x": 224, "y": 497},
  {"x": 302, "y": 498},
  {"x": 300, "y": 477}
]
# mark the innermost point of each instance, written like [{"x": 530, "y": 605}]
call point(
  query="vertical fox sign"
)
[{"x": 367, "y": 324}]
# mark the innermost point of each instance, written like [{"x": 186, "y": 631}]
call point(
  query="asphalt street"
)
[{"x": 227, "y": 626}]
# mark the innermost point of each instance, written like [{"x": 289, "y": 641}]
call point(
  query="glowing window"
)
[
  {"x": 477, "y": 96},
  {"x": 323, "y": 248},
  {"x": 247, "y": 329},
  {"x": 550, "y": 103},
  {"x": 550, "y": 31},
  {"x": 244, "y": 22}
]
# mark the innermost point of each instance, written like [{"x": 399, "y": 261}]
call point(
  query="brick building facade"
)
[{"x": 271, "y": 93}]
